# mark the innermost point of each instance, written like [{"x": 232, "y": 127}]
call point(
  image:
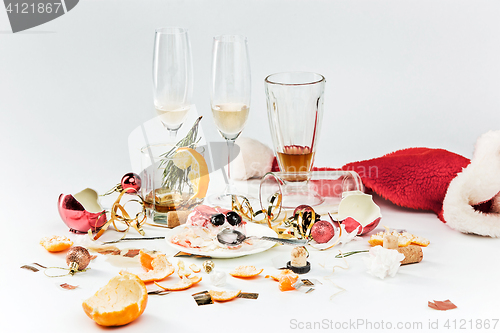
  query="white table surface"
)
[
  {"x": 399, "y": 74},
  {"x": 455, "y": 266}
]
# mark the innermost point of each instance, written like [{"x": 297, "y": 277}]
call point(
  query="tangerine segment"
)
[
  {"x": 223, "y": 296},
  {"x": 195, "y": 279},
  {"x": 182, "y": 272},
  {"x": 286, "y": 279},
  {"x": 198, "y": 175},
  {"x": 56, "y": 243},
  {"x": 185, "y": 283},
  {"x": 246, "y": 271},
  {"x": 161, "y": 268},
  {"x": 119, "y": 302},
  {"x": 194, "y": 268}
]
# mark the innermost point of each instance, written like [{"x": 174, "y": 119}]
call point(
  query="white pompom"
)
[{"x": 254, "y": 160}]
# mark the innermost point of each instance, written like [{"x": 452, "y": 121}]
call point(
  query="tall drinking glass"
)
[
  {"x": 172, "y": 77},
  {"x": 230, "y": 97},
  {"x": 295, "y": 111}
]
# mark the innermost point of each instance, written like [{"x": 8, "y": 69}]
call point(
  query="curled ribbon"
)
[
  {"x": 297, "y": 226},
  {"x": 242, "y": 206},
  {"x": 135, "y": 222}
]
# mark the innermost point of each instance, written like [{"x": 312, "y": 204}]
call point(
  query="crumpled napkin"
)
[
  {"x": 383, "y": 262},
  {"x": 218, "y": 278}
]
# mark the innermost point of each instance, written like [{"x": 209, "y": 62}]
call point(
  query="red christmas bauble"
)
[
  {"x": 131, "y": 182},
  {"x": 322, "y": 231}
]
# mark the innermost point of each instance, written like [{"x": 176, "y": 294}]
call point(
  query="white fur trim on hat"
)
[{"x": 479, "y": 182}]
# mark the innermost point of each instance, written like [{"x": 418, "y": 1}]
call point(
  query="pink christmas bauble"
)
[
  {"x": 322, "y": 231},
  {"x": 131, "y": 182}
]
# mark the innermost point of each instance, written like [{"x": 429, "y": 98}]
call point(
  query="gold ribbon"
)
[
  {"x": 135, "y": 222},
  {"x": 298, "y": 226},
  {"x": 245, "y": 209}
]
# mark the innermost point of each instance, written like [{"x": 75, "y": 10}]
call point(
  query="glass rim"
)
[
  {"x": 320, "y": 79},
  {"x": 146, "y": 148},
  {"x": 230, "y": 38},
  {"x": 171, "y": 30}
]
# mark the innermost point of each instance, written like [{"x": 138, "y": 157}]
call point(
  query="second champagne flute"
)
[{"x": 230, "y": 97}]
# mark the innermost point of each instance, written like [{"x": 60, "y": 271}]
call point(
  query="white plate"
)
[{"x": 252, "y": 229}]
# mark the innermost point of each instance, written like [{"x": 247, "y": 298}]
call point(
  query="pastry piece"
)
[{"x": 404, "y": 238}]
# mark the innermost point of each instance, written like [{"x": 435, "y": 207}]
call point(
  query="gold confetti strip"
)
[
  {"x": 203, "y": 298},
  {"x": 248, "y": 295},
  {"x": 189, "y": 255},
  {"x": 30, "y": 268}
]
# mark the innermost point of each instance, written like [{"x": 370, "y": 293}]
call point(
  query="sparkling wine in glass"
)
[
  {"x": 172, "y": 77},
  {"x": 295, "y": 110},
  {"x": 230, "y": 97}
]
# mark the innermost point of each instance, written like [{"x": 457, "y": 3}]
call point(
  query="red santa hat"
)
[{"x": 464, "y": 193}]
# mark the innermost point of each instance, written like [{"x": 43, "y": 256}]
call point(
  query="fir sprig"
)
[{"x": 173, "y": 177}]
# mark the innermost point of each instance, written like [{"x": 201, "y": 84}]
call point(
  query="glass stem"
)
[
  {"x": 231, "y": 188},
  {"x": 172, "y": 134}
]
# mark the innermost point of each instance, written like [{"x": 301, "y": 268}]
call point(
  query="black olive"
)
[
  {"x": 233, "y": 218},
  {"x": 217, "y": 219}
]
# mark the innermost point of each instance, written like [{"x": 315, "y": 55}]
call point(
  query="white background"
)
[{"x": 399, "y": 74}]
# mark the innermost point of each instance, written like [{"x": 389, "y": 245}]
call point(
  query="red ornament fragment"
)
[
  {"x": 132, "y": 253},
  {"x": 82, "y": 211},
  {"x": 131, "y": 182},
  {"x": 68, "y": 286},
  {"x": 442, "y": 305},
  {"x": 322, "y": 231}
]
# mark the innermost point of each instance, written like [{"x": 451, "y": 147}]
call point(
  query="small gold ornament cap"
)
[{"x": 208, "y": 266}]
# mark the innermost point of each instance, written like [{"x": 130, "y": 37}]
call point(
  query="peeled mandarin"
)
[
  {"x": 56, "y": 243},
  {"x": 119, "y": 302}
]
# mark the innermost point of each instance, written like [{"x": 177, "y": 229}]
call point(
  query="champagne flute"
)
[
  {"x": 230, "y": 97},
  {"x": 172, "y": 77}
]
